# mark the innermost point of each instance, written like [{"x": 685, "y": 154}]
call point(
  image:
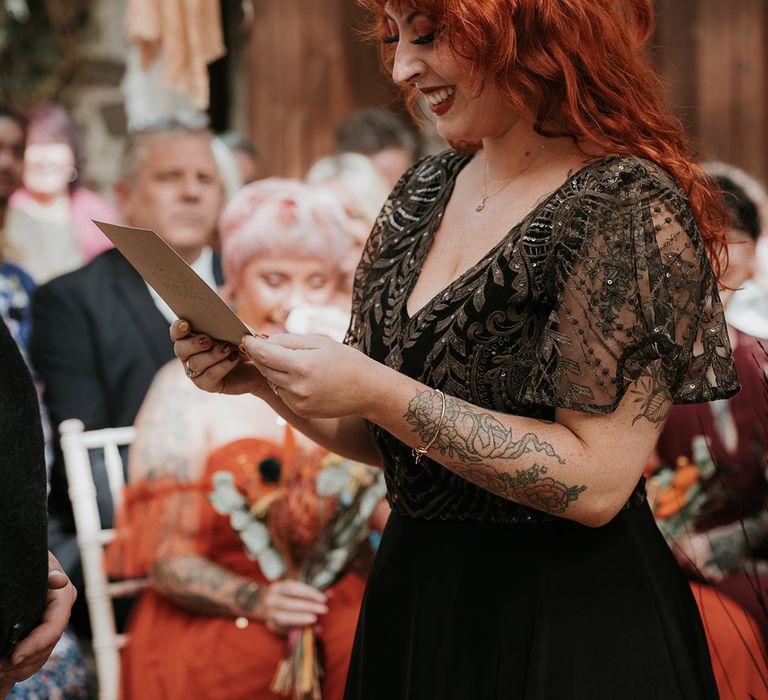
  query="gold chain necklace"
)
[{"x": 481, "y": 204}]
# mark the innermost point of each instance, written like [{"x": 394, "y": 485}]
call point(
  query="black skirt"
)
[{"x": 557, "y": 611}]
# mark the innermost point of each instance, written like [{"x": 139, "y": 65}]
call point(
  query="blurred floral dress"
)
[{"x": 64, "y": 677}]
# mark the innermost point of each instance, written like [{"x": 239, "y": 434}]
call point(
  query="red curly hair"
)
[{"x": 578, "y": 65}]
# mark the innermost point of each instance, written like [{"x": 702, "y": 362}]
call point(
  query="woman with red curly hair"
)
[{"x": 527, "y": 308}]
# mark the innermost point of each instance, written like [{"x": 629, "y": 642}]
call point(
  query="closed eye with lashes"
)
[{"x": 418, "y": 41}]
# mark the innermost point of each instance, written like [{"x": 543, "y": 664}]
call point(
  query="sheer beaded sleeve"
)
[
  {"x": 632, "y": 297},
  {"x": 367, "y": 264}
]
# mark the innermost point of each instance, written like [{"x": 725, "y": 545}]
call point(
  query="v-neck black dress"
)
[{"x": 474, "y": 597}]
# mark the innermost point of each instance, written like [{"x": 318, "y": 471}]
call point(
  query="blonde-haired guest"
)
[{"x": 362, "y": 191}]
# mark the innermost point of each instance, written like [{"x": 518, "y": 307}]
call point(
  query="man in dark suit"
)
[{"x": 100, "y": 333}]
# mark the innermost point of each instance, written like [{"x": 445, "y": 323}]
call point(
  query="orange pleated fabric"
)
[
  {"x": 735, "y": 645},
  {"x": 173, "y": 653}
]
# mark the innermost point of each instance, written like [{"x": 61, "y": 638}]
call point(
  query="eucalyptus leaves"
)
[
  {"x": 227, "y": 500},
  {"x": 353, "y": 490},
  {"x": 278, "y": 530},
  {"x": 682, "y": 492}
]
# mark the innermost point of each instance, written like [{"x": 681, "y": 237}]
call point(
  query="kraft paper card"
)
[{"x": 176, "y": 282}]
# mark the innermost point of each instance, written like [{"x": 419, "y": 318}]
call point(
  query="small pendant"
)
[{"x": 481, "y": 205}]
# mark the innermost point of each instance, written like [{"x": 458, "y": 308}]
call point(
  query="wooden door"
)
[
  {"x": 307, "y": 70},
  {"x": 713, "y": 57}
]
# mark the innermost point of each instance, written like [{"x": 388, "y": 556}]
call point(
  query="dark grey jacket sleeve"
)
[{"x": 23, "y": 546}]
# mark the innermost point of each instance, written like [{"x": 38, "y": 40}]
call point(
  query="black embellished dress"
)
[{"x": 473, "y": 597}]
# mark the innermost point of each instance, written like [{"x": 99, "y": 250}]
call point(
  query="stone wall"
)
[{"x": 96, "y": 98}]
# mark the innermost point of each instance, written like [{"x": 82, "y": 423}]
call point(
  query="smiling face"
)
[
  {"x": 465, "y": 107},
  {"x": 48, "y": 168},
  {"x": 271, "y": 287}
]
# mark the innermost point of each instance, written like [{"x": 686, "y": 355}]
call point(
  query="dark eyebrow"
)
[{"x": 408, "y": 19}]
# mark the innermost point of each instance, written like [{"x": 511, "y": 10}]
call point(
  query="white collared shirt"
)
[{"x": 747, "y": 309}]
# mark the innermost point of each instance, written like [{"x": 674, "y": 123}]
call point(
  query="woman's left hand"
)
[
  {"x": 314, "y": 376},
  {"x": 33, "y": 651}
]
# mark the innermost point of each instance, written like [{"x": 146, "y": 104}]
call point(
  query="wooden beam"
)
[
  {"x": 673, "y": 50},
  {"x": 715, "y": 57},
  {"x": 749, "y": 110},
  {"x": 307, "y": 71}
]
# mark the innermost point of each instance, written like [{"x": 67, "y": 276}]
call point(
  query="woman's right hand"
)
[
  {"x": 216, "y": 367},
  {"x": 287, "y": 604}
]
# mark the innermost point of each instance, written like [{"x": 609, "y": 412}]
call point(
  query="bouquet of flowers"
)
[
  {"x": 306, "y": 522},
  {"x": 683, "y": 491}
]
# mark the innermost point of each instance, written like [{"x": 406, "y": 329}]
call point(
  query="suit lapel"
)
[
  {"x": 134, "y": 295},
  {"x": 218, "y": 273}
]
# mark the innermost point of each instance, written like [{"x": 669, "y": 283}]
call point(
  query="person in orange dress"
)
[{"x": 215, "y": 619}]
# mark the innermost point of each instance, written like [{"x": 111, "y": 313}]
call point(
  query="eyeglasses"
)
[{"x": 188, "y": 119}]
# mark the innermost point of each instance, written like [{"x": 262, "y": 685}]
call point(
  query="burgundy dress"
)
[{"x": 738, "y": 502}]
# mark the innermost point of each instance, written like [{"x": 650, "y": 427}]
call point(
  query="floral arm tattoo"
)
[
  {"x": 202, "y": 586},
  {"x": 162, "y": 446},
  {"x": 470, "y": 438},
  {"x": 652, "y": 396}
]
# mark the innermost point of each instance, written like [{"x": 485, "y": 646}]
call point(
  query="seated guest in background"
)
[
  {"x": 246, "y": 156},
  {"x": 728, "y": 544},
  {"x": 16, "y": 286},
  {"x": 100, "y": 333},
  {"x": 15, "y": 282},
  {"x": 53, "y": 196},
  {"x": 747, "y": 309},
  {"x": 13, "y": 134},
  {"x": 362, "y": 191},
  {"x": 714, "y": 505},
  {"x": 382, "y": 136},
  {"x": 214, "y": 622}
]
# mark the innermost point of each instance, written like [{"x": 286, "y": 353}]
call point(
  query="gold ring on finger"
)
[{"x": 190, "y": 372}]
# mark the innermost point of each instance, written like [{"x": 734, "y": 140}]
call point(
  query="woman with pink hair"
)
[{"x": 216, "y": 619}]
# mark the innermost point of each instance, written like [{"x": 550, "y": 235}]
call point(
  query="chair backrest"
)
[{"x": 92, "y": 537}]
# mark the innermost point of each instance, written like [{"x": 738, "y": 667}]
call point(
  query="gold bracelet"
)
[
  {"x": 251, "y": 589},
  {"x": 419, "y": 452}
]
